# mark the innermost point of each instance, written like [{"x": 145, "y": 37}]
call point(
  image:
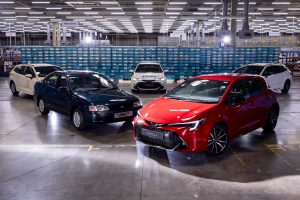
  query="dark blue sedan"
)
[{"x": 87, "y": 97}]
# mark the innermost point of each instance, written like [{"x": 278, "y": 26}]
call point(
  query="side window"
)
[
  {"x": 281, "y": 69},
  {"x": 256, "y": 87},
  {"x": 241, "y": 88},
  {"x": 29, "y": 70},
  {"x": 18, "y": 70},
  {"x": 52, "y": 80},
  {"x": 270, "y": 70},
  {"x": 105, "y": 83},
  {"x": 62, "y": 82}
]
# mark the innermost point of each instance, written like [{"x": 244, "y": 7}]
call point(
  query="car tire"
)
[
  {"x": 272, "y": 119},
  {"x": 286, "y": 87},
  {"x": 13, "y": 89},
  {"x": 217, "y": 140},
  {"x": 42, "y": 108},
  {"x": 78, "y": 120}
]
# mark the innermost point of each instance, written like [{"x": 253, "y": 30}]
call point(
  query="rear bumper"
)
[{"x": 148, "y": 85}]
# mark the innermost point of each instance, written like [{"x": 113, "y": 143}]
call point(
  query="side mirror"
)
[
  {"x": 166, "y": 71},
  {"x": 28, "y": 76}
]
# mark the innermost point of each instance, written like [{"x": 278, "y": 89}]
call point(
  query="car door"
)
[
  {"x": 272, "y": 74},
  {"x": 29, "y": 85},
  {"x": 19, "y": 78},
  {"x": 63, "y": 95},
  {"x": 259, "y": 101},
  {"x": 240, "y": 113},
  {"x": 50, "y": 89}
]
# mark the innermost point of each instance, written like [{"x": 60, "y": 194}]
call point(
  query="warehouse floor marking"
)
[{"x": 277, "y": 148}]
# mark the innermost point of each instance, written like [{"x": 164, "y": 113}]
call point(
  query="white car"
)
[
  {"x": 24, "y": 76},
  {"x": 148, "y": 76},
  {"x": 278, "y": 76}
]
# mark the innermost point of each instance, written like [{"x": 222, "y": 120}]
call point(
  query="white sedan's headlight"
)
[
  {"x": 98, "y": 108},
  {"x": 192, "y": 125}
]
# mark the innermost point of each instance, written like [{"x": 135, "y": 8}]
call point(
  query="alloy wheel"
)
[
  {"x": 13, "y": 88},
  {"x": 77, "y": 119},
  {"x": 41, "y": 106},
  {"x": 217, "y": 141}
]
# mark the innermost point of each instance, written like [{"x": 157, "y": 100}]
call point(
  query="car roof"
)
[
  {"x": 263, "y": 64},
  {"x": 226, "y": 76},
  {"x": 74, "y": 72},
  {"x": 149, "y": 62},
  {"x": 41, "y": 65}
]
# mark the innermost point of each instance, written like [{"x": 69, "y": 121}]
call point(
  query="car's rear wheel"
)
[
  {"x": 78, "y": 120},
  {"x": 272, "y": 119},
  {"x": 42, "y": 107},
  {"x": 217, "y": 140},
  {"x": 286, "y": 87},
  {"x": 13, "y": 89}
]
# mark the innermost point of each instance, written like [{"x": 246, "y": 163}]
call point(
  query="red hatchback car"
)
[{"x": 205, "y": 112}]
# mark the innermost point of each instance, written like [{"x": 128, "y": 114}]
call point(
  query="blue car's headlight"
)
[
  {"x": 192, "y": 125},
  {"x": 137, "y": 104},
  {"x": 98, "y": 108}
]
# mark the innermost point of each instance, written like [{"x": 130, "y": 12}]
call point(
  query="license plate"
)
[
  {"x": 153, "y": 134},
  {"x": 123, "y": 114}
]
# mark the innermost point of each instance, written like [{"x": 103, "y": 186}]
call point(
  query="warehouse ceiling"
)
[{"x": 156, "y": 16}]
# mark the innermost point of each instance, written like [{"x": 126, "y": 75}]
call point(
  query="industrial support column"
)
[
  {"x": 56, "y": 34},
  {"x": 234, "y": 4},
  {"x": 197, "y": 33}
]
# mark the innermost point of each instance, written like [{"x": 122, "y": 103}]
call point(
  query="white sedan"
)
[
  {"x": 24, "y": 76},
  {"x": 278, "y": 76}
]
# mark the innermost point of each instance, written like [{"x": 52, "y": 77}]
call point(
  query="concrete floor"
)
[{"x": 46, "y": 158}]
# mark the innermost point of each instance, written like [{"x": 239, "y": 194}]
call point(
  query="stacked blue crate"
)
[
  {"x": 71, "y": 58},
  {"x": 117, "y": 63},
  {"x": 128, "y": 62},
  {"x": 105, "y": 60},
  {"x": 94, "y": 59}
]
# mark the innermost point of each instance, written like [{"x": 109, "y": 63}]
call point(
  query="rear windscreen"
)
[{"x": 143, "y": 68}]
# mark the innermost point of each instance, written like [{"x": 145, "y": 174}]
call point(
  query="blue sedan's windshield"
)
[
  {"x": 86, "y": 82},
  {"x": 199, "y": 90}
]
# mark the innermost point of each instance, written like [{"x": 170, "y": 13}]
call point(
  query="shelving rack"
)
[{"x": 181, "y": 63}]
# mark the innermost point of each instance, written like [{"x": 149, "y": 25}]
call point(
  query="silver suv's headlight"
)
[
  {"x": 192, "y": 125},
  {"x": 134, "y": 79},
  {"x": 163, "y": 79},
  {"x": 98, "y": 108}
]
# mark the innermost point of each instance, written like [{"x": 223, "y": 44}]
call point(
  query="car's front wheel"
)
[
  {"x": 42, "y": 108},
  {"x": 217, "y": 140},
  {"x": 272, "y": 119},
  {"x": 13, "y": 89},
  {"x": 286, "y": 87},
  {"x": 78, "y": 120}
]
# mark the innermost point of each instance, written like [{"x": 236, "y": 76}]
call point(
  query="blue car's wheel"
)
[
  {"x": 78, "y": 120},
  {"x": 42, "y": 107}
]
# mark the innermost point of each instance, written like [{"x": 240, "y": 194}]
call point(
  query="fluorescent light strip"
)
[
  {"x": 144, "y": 3},
  {"x": 22, "y": 8},
  {"x": 108, "y": 2},
  {"x": 53, "y": 8},
  {"x": 7, "y": 2},
  {"x": 280, "y": 3},
  {"x": 177, "y": 3},
  {"x": 212, "y": 3},
  {"x": 144, "y": 8},
  {"x": 40, "y": 2}
]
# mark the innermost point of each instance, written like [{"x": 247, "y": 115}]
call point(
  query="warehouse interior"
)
[{"x": 46, "y": 156}]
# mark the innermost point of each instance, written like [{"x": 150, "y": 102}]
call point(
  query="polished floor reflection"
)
[{"x": 46, "y": 158}]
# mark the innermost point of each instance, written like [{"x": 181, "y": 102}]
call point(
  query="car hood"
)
[
  {"x": 148, "y": 76},
  {"x": 165, "y": 111},
  {"x": 108, "y": 96}
]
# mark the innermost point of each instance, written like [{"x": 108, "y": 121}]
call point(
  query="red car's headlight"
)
[{"x": 191, "y": 125}]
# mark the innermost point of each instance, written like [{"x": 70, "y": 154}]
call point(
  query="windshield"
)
[
  {"x": 144, "y": 68},
  {"x": 199, "y": 90},
  {"x": 87, "y": 82},
  {"x": 250, "y": 69},
  {"x": 43, "y": 71}
]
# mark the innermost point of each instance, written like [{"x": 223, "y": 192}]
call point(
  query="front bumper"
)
[
  {"x": 107, "y": 116},
  {"x": 175, "y": 138},
  {"x": 148, "y": 85}
]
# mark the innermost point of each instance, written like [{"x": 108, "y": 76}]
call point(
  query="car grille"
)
[
  {"x": 148, "y": 85},
  {"x": 167, "y": 140},
  {"x": 120, "y": 106}
]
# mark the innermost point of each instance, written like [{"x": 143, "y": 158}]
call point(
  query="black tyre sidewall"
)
[{"x": 15, "y": 92}]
